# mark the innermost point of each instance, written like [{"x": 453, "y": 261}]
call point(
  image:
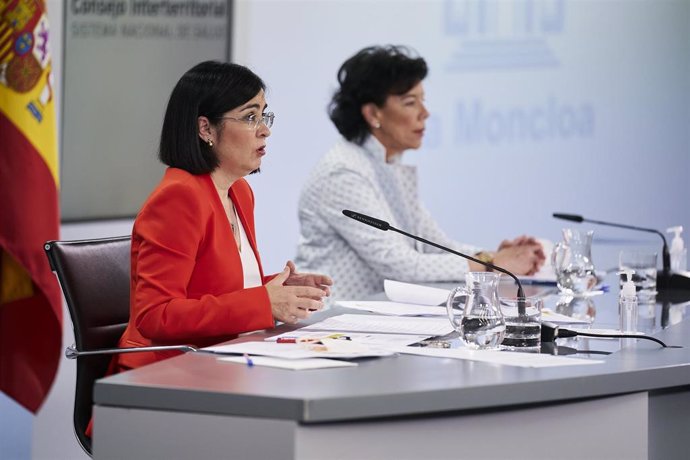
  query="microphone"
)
[
  {"x": 383, "y": 225},
  {"x": 678, "y": 281},
  {"x": 666, "y": 257},
  {"x": 572, "y": 217}
]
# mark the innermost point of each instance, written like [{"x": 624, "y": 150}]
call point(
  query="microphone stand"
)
[
  {"x": 382, "y": 225},
  {"x": 669, "y": 281}
]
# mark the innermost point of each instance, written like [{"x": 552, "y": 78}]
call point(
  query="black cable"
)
[
  {"x": 385, "y": 226},
  {"x": 567, "y": 332},
  {"x": 551, "y": 331}
]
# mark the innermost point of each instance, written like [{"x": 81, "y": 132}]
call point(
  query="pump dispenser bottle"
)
[
  {"x": 627, "y": 303},
  {"x": 679, "y": 254}
]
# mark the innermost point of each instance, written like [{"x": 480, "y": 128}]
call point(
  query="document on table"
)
[
  {"x": 508, "y": 358},
  {"x": 371, "y": 339},
  {"x": 384, "y": 324},
  {"x": 386, "y": 307},
  {"x": 416, "y": 294},
  {"x": 292, "y": 364},
  {"x": 398, "y": 291},
  {"x": 329, "y": 348}
]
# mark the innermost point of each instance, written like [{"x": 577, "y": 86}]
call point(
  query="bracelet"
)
[{"x": 485, "y": 257}]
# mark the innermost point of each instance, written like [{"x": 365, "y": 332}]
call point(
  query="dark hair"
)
[
  {"x": 372, "y": 75},
  {"x": 208, "y": 89}
]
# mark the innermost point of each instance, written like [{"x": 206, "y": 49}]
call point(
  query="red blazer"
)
[{"x": 187, "y": 284}]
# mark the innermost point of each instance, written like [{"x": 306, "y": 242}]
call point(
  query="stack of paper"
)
[
  {"x": 370, "y": 339},
  {"x": 410, "y": 316},
  {"x": 385, "y": 307},
  {"x": 384, "y": 324},
  {"x": 397, "y": 291},
  {"x": 332, "y": 348},
  {"x": 413, "y": 300}
]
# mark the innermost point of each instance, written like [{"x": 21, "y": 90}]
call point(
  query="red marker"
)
[{"x": 286, "y": 340}]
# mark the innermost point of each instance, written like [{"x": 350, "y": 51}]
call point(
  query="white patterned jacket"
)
[{"x": 359, "y": 257}]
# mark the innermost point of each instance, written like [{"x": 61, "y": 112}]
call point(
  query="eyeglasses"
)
[{"x": 252, "y": 122}]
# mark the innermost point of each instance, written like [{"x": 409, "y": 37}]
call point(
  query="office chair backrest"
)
[{"x": 94, "y": 277}]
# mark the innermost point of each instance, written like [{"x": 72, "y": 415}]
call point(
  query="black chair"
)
[{"x": 94, "y": 277}]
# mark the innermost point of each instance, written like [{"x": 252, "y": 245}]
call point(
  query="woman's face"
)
[
  {"x": 238, "y": 144},
  {"x": 401, "y": 119}
]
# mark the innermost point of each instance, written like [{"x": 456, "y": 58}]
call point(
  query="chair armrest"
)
[{"x": 71, "y": 352}]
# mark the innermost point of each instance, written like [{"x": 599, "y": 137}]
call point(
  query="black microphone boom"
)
[
  {"x": 668, "y": 280},
  {"x": 380, "y": 224},
  {"x": 572, "y": 217},
  {"x": 577, "y": 218},
  {"x": 383, "y": 225}
]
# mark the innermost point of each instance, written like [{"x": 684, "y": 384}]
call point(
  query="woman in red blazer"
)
[{"x": 196, "y": 275}]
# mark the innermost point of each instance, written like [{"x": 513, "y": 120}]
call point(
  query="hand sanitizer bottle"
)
[
  {"x": 679, "y": 253},
  {"x": 627, "y": 303}
]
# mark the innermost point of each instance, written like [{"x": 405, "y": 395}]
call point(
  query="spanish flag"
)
[{"x": 30, "y": 300}]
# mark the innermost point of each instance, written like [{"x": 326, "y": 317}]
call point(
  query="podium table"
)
[{"x": 635, "y": 405}]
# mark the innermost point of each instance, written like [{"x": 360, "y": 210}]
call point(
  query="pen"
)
[
  {"x": 534, "y": 282},
  {"x": 250, "y": 363},
  {"x": 286, "y": 340},
  {"x": 298, "y": 340}
]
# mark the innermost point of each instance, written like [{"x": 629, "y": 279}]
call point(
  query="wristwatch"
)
[{"x": 485, "y": 257}]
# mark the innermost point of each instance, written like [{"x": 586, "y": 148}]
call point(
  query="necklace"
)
[{"x": 234, "y": 227}]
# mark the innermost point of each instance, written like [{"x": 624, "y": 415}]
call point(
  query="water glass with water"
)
[
  {"x": 481, "y": 324},
  {"x": 523, "y": 323},
  {"x": 572, "y": 262}
]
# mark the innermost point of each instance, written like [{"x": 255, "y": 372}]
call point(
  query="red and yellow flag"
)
[{"x": 30, "y": 300}]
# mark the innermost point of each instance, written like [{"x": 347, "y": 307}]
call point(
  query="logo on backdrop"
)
[
  {"x": 506, "y": 36},
  {"x": 503, "y": 34}
]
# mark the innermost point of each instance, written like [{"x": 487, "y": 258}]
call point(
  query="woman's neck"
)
[
  {"x": 391, "y": 153},
  {"x": 223, "y": 181}
]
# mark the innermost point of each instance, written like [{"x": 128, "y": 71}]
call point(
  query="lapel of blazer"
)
[{"x": 242, "y": 204}]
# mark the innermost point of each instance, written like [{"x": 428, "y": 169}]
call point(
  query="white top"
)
[
  {"x": 250, "y": 267},
  {"x": 359, "y": 257}
]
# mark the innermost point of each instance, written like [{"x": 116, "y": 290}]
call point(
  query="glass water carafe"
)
[
  {"x": 572, "y": 262},
  {"x": 481, "y": 324}
]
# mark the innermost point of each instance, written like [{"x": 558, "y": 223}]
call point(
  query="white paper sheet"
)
[
  {"x": 507, "y": 358},
  {"x": 384, "y": 324},
  {"x": 405, "y": 309},
  {"x": 371, "y": 339},
  {"x": 292, "y": 364},
  {"x": 398, "y": 291},
  {"x": 385, "y": 307},
  {"x": 341, "y": 349}
]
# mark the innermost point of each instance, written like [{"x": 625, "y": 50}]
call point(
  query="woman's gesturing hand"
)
[
  {"x": 308, "y": 279},
  {"x": 289, "y": 304}
]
